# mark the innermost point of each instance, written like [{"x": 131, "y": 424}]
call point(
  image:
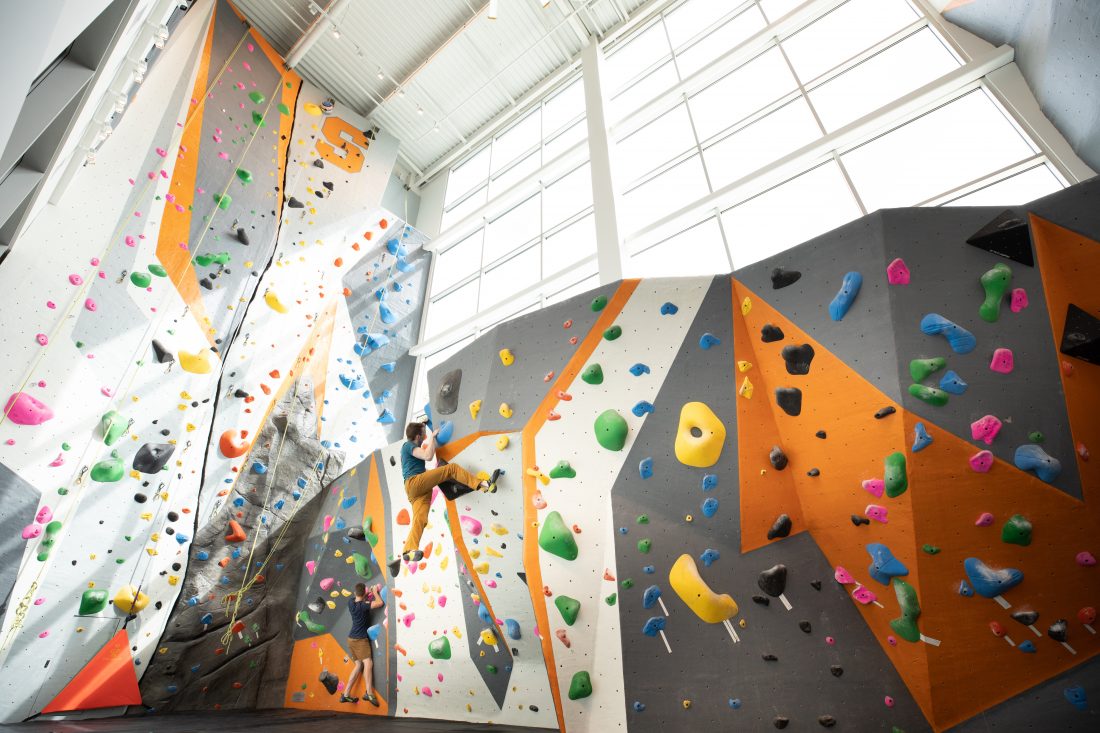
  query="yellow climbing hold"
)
[
  {"x": 274, "y": 303},
  {"x": 475, "y": 409},
  {"x": 693, "y": 590},
  {"x": 507, "y": 357},
  {"x": 745, "y": 390},
  {"x": 699, "y": 436},
  {"x": 195, "y": 363},
  {"x": 130, "y": 600},
  {"x": 744, "y": 366},
  {"x": 312, "y": 109},
  {"x": 488, "y": 637},
  {"x": 746, "y": 306},
  {"x": 502, "y": 442},
  {"x": 505, "y": 410},
  {"x": 539, "y": 475}
]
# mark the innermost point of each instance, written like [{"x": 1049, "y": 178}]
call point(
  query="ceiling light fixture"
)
[
  {"x": 381, "y": 76},
  {"x": 436, "y": 128},
  {"x": 493, "y": 8},
  {"x": 419, "y": 110},
  {"x": 336, "y": 33},
  {"x": 400, "y": 92}
]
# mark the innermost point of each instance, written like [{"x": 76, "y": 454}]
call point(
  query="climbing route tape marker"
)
[
  {"x": 786, "y": 604},
  {"x": 929, "y": 640},
  {"x": 1005, "y": 605},
  {"x": 733, "y": 634}
]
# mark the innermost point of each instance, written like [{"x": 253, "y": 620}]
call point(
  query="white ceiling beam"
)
[{"x": 321, "y": 25}]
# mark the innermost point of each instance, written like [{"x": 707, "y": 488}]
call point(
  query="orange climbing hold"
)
[
  {"x": 383, "y": 224},
  {"x": 236, "y": 532},
  {"x": 403, "y": 517},
  {"x": 232, "y": 446}
]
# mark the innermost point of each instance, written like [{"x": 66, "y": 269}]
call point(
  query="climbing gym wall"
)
[
  {"x": 848, "y": 486},
  {"x": 199, "y": 338}
]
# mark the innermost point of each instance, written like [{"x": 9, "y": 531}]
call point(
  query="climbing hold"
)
[
  {"x": 580, "y": 686},
  {"x": 141, "y": 279},
  {"x": 273, "y": 302},
  {"x": 985, "y": 429},
  {"x": 92, "y": 601},
  {"x": 440, "y": 648},
  {"x": 645, "y": 545},
  {"x": 153, "y": 457},
  {"x": 985, "y": 519},
  {"x": 1003, "y": 361},
  {"x": 505, "y": 410},
  {"x": 842, "y": 301},
  {"x": 112, "y": 426},
  {"x": 507, "y": 358},
  {"x": 223, "y": 200},
  {"x": 1027, "y": 647},
  {"x": 773, "y": 581},
  {"x": 858, "y": 520},
  {"x": 744, "y": 366},
  {"x": 242, "y": 237},
  {"x": 1025, "y": 617},
  {"x": 958, "y": 338},
  {"x": 161, "y": 354},
  {"x": 1030, "y": 457},
  {"x": 781, "y": 277},
  {"x": 244, "y": 176},
  {"x": 699, "y": 436},
  {"x": 130, "y": 600},
  {"x": 897, "y": 273},
  {"x": 1076, "y": 697},
  {"x": 781, "y": 527},
  {"x": 1016, "y": 531},
  {"x": 709, "y": 556},
  {"x": 613, "y": 333},
  {"x": 877, "y": 513},
  {"x": 789, "y": 400},
  {"x": 989, "y": 582},
  {"x": 995, "y": 282},
  {"x": 884, "y": 566},
  {"x": 874, "y": 486},
  {"x": 697, "y": 595},
  {"x": 797, "y": 358},
  {"x": 842, "y": 576},
  {"x": 895, "y": 478},
  {"x": 905, "y": 625},
  {"x": 502, "y": 442},
  {"x": 563, "y": 470},
  {"x": 930, "y": 549},
  {"x": 233, "y": 443},
  {"x": 770, "y": 333},
  {"x": 965, "y": 589},
  {"x": 745, "y": 390},
  {"x": 108, "y": 470},
  {"x": 23, "y": 409},
  {"x": 599, "y": 302},
  {"x": 669, "y": 309},
  {"x": 777, "y": 458},
  {"x": 919, "y": 369},
  {"x": 362, "y": 565},
  {"x": 708, "y": 340},
  {"x": 593, "y": 374},
  {"x": 709, "y": 508},
  {"x": 196, "y": 363},
  {"x": 981, "y": 461},
  {"x": 611, "y": 430},
  {"x": 569, "y": 608},
  {"x": 885, "y": 412},
  {"x": 645, "y": 468},
  {"x": 642, "y": 408},
  {"x": 236, "y": 532},
  {"x": 931, "y": 395},
  {"x": 1085, "y": 559},
  {"x": 921, "y": 438},
  {"x": 781, "y": 722},
  {"x": 475, "y": 408},
  {"x": 639, "y": 369},
  {"x": 556, "y": 538},
  {"x": 952, "y": 383}
]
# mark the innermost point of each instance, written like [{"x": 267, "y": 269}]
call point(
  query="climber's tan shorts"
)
[{"x": 360, "y": 649}]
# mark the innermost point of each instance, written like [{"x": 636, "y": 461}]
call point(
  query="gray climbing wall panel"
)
[{"x": 16, "y": 512}]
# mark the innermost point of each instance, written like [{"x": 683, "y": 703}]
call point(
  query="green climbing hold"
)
[
  {"x": 919, "y": 369},
  {"x": 931, "y": 549},
  {"x": 1036, "y": 437},
  {"x": 440, "y": 648},
  {"x": 599, "y": 302},
  {"x": 362, "y": 565},
  {"x": 556, "y": 538},
  {"x": 613, "y": 333},
  {"x": 931, "y": 395},
  {"x": 283, "y": 108},
  {"x": 223, "y": 200},
  {"x": 244, "y": 175},
  {"x": 1017, "y": 531},
  {"x": 645, "y": 545},
  {"x": 92, "y": 601},
  {"x": 569, "y": 608},
  {"x": 51, "y": 533},
  {"x": 580, "y": 686},
  {"x": 371, "y": 537},
  {"x": 491, "y": 668},
  {"x": 996, "y": 283},
  {"x": 895, "y": 476},
  {"x": 313, "y": 626},
  {"x": 113, "y": 426},
  {"x": 258, "y": 119},
  {"x": 611, "y": 599},
  {"x": 257, "y": 97},
  {"x": 66, "y": 446},
  {"x": 141, "y": 279},
  {"x": 158, "y": 270},
  {"x": 221, "y": 258},
  {"x": 563, "y": 470},
  {"x": 204, "y": 260},
  {"x": 593, "y": 374},
  {"x": 611, "y": 430},
  {"x": 627, "y": 583},
  {"x": 642, "y": 519},
  {"x": 63, "y": 491},
  {"x": 906, "y": 625},
  {"x": 109, "y": 470}
]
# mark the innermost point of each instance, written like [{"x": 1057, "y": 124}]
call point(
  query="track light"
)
[
  {"x": 493, "y": 8},
  {"x": 121, "y": 101},
  {"x": 436, "y": 128},
  {"x": 140, "y": 69},
  {"x": 336, "y": 33},
  {"x": 420, "y": 110},
  {"x": 400, "y": 92},
  {"x": 160, "y": 36},
  {"x": 381, "y": 76}
]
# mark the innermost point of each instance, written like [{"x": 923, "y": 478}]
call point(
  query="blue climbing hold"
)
[
  {"x": 386, "y": 418},
  {"x": 1076, "y": 697},
  {"x": 709, "y": 481},
  {"x": 389, "y": 366},
  {"x": 360, "y": 349},
  {"x": 649, "y": 570},
  {"x": 952, "y": 383},
  {"x": 279, "y": 504},
  {"x": 380, "y": 293},
  {"x": 354, "y": 382},
  {"x": 239, "y": 501},
  {"x": 386, "y": 314},
  {"x": 622, "y": 530},
  {"x": 884, "y": 565},
  {"x": 377, "y": 340},
  {"x": 483, "y": 613},
  {"x": 403, "y": 265},
  {"x": 642, "y": 408},
  {"x": 707, "y": 340},
  {"x": 650, "y": 596},
  {"x": 965, "y": 590},
  {"x": 182, "y": 538},
  {"x": 296, "y": 494},
  {"x": 654, "y": 625},
  {"x": 301, "y": 482},
  {"x": 348, "y": 502},
  {"x": 735, "y": 703},
  {"x": 669, "y": 309},
  {"x": 373, "y": 632},
  {"x": 511, "y": 627},
  {"x": 258, "y": 467},
  {"x": 1030, "y": 457},
  {"x": 202, "y": 555},
  {"x": 989, "y": 582},
  {"x": 206, "y": 619},
  {"x": 1027, "y": 647},
  {"x": 960, "y": 340},
  {"x": 842, "y": 301},
  {"x": 709, "y": 556},
  {"x": 645, "y": 468},
  {"x": 639, "y": 369},
  {"x": 445, "y": 432},
  {"x": 921, "y": 438},
  {"x": 710, "y": 507},
  {"x": 638, "y": 706}
]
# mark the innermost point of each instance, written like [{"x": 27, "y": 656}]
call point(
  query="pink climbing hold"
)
[
  {"x": 311, "y": 566},
  {"x": 130, "y": 241},
  {"x": 59, "y": 461},
  {"x": 43, "y": 635},
  {"x": 981, "y": 461},
  {"x": 76, "y": 279},
  {"x": 490, "y": 584},
  {"x": 51, "y": 305},
  {"x": 874, "y": 486},
  {"x": 90, "y": 305},
  {"x": 891, "y": 640},
  {"x": 889, "y": 701},
  {"x": 326, "y": 524},
  {"x": 22, "y": 409},
  {"x": 42, "y": 339},
  {"x": 1003, "y": 361},
  {"x": 1018, "y": 300},
  {"x": 843, "y": 576},
  {"x": 985, "y": 520},
  {"x": 897, "y": 273},
  {"x": 9, "y": 441},
  {"x": 1083, "y": 452},
  {"x": 106, "y": 391},
  {"x": 1086, "y": 559},
  {"x": 162, "y": 152},
  {"x": 94, "y": 262},
  {"x": 442, "y": 601},
  {"x": 45, "y": 514},
  {"x": 223, "y": 155},
  {"x": 31, "y": 531},
  {"x": 877, "y": 513},
  {"x": 830, "y": 640},
  {"x": 470, "y": 525},
  {"x": 408, "y": 619},
  {"x": 426, "y": 691},
  {"x": 864, "y": 595},
  {"x": 985, "y": 429},
  {"x": 39, "y": 601},
  {"x": 563, "y": 638},
  {"x": 251, "y": 48},
  {"x": 327, "y": 583}
]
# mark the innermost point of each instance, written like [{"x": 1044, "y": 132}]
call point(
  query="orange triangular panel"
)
[{"x": 108, "y": 680}]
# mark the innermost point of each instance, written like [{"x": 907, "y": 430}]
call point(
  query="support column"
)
[{"x": 609, "y": 246}]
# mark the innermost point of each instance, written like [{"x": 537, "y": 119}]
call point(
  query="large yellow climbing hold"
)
[
  {"x": 475, "y": 409},
  {"x": 694, "y": 591},
  {"x": 488, "y": 637},
  {"x": 502, "y": 442},
  {"x": 196, "y": 363},
  {"x": 505, "y": 410},
  {"x": 745, "y": 390},
  {"x": 744, "y": 366},
  {"x": 700, "y": 436},
  {"x": 274, "y": 303},
  {"x": 746, "y": 306},
  {"x": 130, "y": 600},
  {"x": 507, "y": 357}
]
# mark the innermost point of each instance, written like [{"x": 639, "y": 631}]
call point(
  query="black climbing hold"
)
[
  {"x": 523, "y": 577},
  {"x": 393, "y": 461},
  {"x": 798, "y": 358},
  {"x": 837, "y": 670},
  {"x": 826, "y": 721},
  {"x": 293, "y": 203},
  {"x": 1027, "y": 618},
  {"x": 1057, "y": 630},
  {"x": 172, "y": 516},
  {"x": 888, "y": 410},
  {"x": 330, "y": 681},
  {"x": 328, "y": 185},
  {"x": 820, "y": 434},
  {"x": 161, "y": 354},
  {"x": 789, "y": 400},
  {"x": 778, "y": 458},
  {"x": 169, "y": 531},
  {"x": 205, "y": 282},
  {"x": 1081, "y": 335},
  {"x": 153, "y": 457},
  {"x": 813, "y": 472},
  {"x": 446, "y": 399},
  {"x": 176, "y": 566},
  {"x": 782, "y": 278},
  {"x": 762, "y": 600},
  {"x": 165, "y": 432},
  {"x": 240, "y": 394},
  {"x": 804, "y": 625},
  {"x": 769, "y": 657},
  {"x": 858, "y": 520},
  {"x": 781, "y": 527},
  {"x": 816, "y": 584},
  {"x": 771, "y": 333},
  {"x": 773, "y": 581},
  {"x": 242, "y": 236},
  {"x": 141, "y": 498},
  {"x": 1008, "y": 236},
  {"x": 317, "y": 163},
  {"x": 533, "y": 708},
  {"x": 356, "y": 533},
  {"x": 780, "y": 722},
  {"x": 316, "y": 606}
]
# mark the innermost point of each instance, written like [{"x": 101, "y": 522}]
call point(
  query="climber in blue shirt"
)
[{"x": 360, "y": 606}]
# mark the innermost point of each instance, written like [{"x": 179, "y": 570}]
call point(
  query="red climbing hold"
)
[
  {"x": 236, "y": 532},
  {"x": 231, "y": 446},
  {"x": 403, "y": 517}
]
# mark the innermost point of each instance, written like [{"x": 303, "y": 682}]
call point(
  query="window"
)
[
  {"x": 636, "y": 55},
  {"x": 468, "y": 175},
  {"x": 509, "y": 178},
  {"x": 567, "y": 196},
  {"x": 776, "y": 9},
  {"x": 461, "y": 210},
  {"x": 666, "y": 192},
  {"x": 509, "y": 277},
  {"x": 562, "y": 108},
  {"x": 520, "y": 138},
  {"x": 736, "y": 96},
  {"x": 1019, "y": 188},
  {"x": 644, "y": 90},
  {"x": 452, "y": 309},
  {"x": 655, "y": 144},
  {"x": 511, "y": 229},
  {"x": 766, "y": 140},
  {"x": 699, "y": 250},
  {"x": 572, "y": 135},
  {"x": 457, "y": 263},
  {"x": 589, "y": 279},
  {"x": 569, "y": 245},
  {"x": 730, "y": 35}
]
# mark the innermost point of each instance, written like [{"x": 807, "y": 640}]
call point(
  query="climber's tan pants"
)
[{"x": 419, "y": 490}]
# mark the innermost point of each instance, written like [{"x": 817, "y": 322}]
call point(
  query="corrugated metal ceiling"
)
[{"x": 455, "y": 88}]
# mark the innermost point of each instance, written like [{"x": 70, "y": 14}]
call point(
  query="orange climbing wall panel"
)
[
  {"x": 313, "y": 656},
  {"x": 108, "y": 680}
]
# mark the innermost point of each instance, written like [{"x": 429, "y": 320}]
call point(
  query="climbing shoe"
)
[
  {"x": 414, "y": 556},
  {"x": 345, "y": 698},
  {"x": 491, "y": 487},
  {"x": 372, "y": 699}
]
